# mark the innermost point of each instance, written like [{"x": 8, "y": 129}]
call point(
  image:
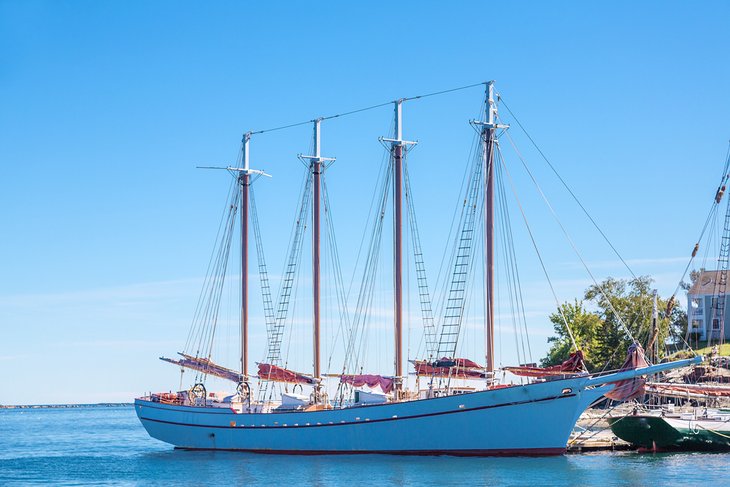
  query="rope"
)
[
  {"x": 713, "y": 431},
  {"x": 560, "y": 178},
  {"x": 537, "y": 251},
  {"x": 570, "y": 241},
  {"x": 364, "y": 109}
]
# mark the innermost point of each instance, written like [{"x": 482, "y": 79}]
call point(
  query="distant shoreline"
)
[{"x": 67, "y": 406}]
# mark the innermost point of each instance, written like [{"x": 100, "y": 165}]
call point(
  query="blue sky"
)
[{"x": 107, "y": 107}]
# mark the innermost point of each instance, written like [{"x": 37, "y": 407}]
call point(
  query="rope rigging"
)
[
  {"x": 201, "y": 335},
  {"x": 461, "y": 263},
  {"x": 571, "y": 242},
  {"x": 424, "y": 297},
  {"x": 273, "y": 355}
]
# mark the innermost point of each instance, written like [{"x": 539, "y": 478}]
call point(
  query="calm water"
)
[{"x": 108, "y": 446}]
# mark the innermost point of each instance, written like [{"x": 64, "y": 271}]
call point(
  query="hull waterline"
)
[
  {"x": 521, "y": 420},
  {"x": 534, "y": 419}
]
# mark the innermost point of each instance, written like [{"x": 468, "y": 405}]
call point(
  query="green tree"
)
[
  {"x": 602, "y": 322},
  {"x": 584, "y": 326}
]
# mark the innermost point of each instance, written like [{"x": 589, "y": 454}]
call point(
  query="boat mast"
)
[
  {"x": 316, "y": 173},
  {"x": 398, "y": 243},
  {"x": 317, "y": 167},
  {"x": 397, "y": 151},
  {"x": 488, "y": 132},
  {"x": 244, "y": 181},
  {"x": 653, "y": 342}
]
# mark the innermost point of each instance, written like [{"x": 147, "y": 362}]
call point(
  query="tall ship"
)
[{"x": 438, "y": 403}]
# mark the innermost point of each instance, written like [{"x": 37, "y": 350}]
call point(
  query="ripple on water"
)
[{"x": 108, "y": 446}]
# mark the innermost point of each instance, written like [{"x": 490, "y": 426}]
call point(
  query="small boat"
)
[
  {"x": 697, "y": 430},
  {"x": 381, "y": 413}
]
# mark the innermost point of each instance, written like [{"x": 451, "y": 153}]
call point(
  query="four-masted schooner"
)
[{"x": 384, "y": 417}]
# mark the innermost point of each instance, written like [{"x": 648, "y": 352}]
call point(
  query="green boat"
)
[{"x": 707, "y": 431}]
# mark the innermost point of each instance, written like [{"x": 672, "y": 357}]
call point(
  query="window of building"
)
[
  {"x": 696, "y": 302},
  {"x": 697, "y": 324},
  {"x": 715, "y": 324}
]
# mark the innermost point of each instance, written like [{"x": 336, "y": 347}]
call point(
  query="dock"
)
[{"x": 592, "y": 434}]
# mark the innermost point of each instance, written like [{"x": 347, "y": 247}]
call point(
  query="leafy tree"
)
[{"x": 616, "y": 305}]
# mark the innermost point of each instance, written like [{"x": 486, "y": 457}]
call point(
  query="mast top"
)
[
  {"x": 317, "y": 157},
  {"x": 246, "y": 169},
  {"x": 398, "y": 132},
  {"x": 490, "y": 110}
]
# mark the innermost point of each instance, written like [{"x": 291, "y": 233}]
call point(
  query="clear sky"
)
[{"x": 107, "y": 107}]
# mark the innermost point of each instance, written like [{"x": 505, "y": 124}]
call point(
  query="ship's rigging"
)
[{"x": 484, "y": 207}]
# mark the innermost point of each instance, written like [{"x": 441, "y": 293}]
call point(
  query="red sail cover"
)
[
  {"x": 385, "y": 383},
  {"x": 707, "y": 390},
  {"x": 630, "y": 388},
  {"x": 205, "y": 366},
  {"x": 573, "y": 364},
  {"x": 458, "y": 368},
  {"x": 280, "y": 374}
]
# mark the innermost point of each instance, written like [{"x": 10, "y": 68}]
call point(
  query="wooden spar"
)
[
  {"x": 398, "y": 244},
  {"x": 488, "y": 154},
  {"x": 398, "y": 257},
  {"x": 489, "y": 250},
  {"x": 244, "y": 178},
  {"x": 245, "y": 181},
  {"x": 397, "y": 146},
  {"x": 489, "y": 128},
  {"x": 653, "y": 342},
  {"x": 316, "y": 171},
  {"x": 317, "y": 167}
]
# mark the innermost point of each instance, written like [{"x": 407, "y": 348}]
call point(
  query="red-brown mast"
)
[
  {"x": 489, "y": 129},
  {"x": 245, "y": 181},
  {"x": 488, "y": 134},
  {"x": 316, "y": 165},
  {"x": 316, "y": 171},
  {"x": 398, "y": 256},
  {"x": 244, "y": 178},
  {"x": 397, "y": 148}
]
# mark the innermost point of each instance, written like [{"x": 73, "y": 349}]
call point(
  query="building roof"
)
[{"x": 706, "y": 283}]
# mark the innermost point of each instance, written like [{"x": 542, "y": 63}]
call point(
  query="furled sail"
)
[
  {"x": 630, "y": 388},
  {"x": 457, "y": 368},
  {"x": 679, "y": 389},
  {"x": 574, "y": 364},
  {"x": 370, "y": 380},
  {"x": 280, "y": 374},
  {"x": 205, "y": 366}
]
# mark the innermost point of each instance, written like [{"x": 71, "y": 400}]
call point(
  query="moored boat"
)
[
  {"x": 381, "y": 414},
  {"x": 696, "y": 430}
]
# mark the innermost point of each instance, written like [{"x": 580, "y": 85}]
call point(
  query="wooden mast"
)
[
  {"x": 489, "y": 128},
  {"x": 397, "y": 150},
  {"x": 316, "y": 172},
  {"x": 317, "y": 167},
  {"x": 488, "y": 132},
  {"x": 245, "y": 181},
  {"x": 398, "y": 243}
]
